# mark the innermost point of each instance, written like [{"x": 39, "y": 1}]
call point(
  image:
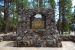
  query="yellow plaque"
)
[{"x": 37, "y": 24}]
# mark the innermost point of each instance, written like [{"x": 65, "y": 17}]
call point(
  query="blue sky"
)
[{"x": 1, "y": 2}]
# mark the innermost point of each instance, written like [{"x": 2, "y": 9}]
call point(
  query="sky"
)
[
  {"x": 73, "y": 2},
  {"x": 1, "y": 2}
]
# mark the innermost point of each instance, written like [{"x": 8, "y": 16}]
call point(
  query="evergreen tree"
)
[{"x": 64, "y": 15}]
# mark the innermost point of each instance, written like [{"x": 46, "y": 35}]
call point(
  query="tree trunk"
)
[
  {"x": 6, "y": 15},
  {"x": 63, "y": 14}
]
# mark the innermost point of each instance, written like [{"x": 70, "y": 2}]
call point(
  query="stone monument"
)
[{"x": 36, "y": 28}]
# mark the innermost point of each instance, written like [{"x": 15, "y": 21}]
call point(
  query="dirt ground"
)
[{"x": 67, "y": 45}]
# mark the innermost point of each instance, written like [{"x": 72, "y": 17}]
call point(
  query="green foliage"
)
[
  {"x": 0, "y": 21},
  {"x": 1, "y": 17},
  {"x": 25, "y": 3},
  {"x": 40, "y": 3},
  {"x": 66, "y": 14},
  {"x": 52, "y": 3},
  {"x": 66, "y": 34},
  {"x": 68, "y": 9},
  {"x": 13, "y": 19}
]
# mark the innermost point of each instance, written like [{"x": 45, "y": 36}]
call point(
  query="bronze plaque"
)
[{"x": 37, "y": 24}]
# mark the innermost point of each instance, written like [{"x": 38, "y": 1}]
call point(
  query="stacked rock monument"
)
[{"x": 36, "y": 28}]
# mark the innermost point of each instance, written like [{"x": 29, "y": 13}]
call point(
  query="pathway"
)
[{"x": 67, "y": 45}]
